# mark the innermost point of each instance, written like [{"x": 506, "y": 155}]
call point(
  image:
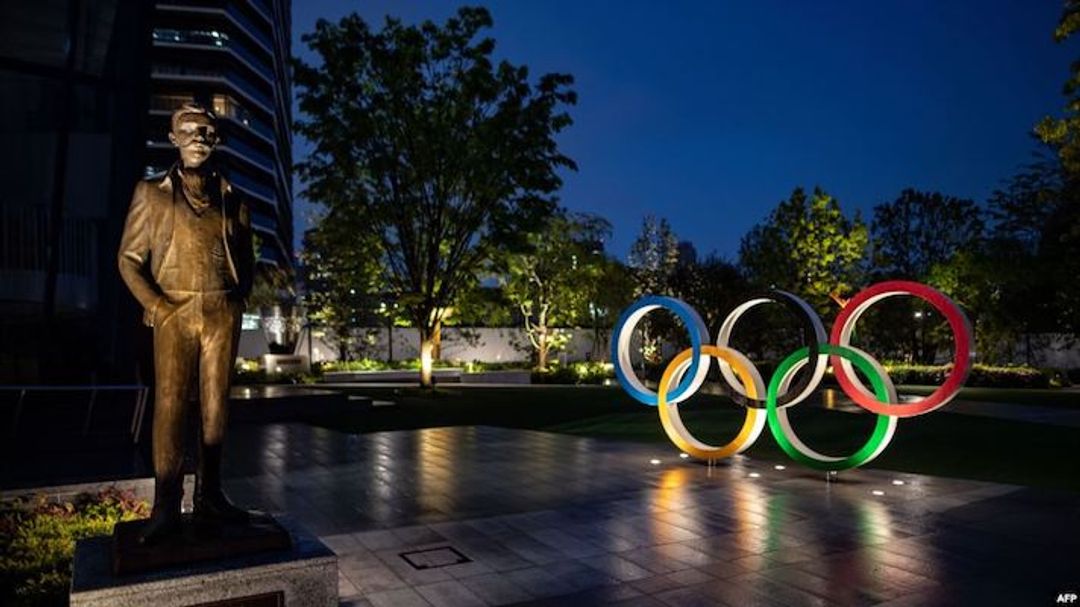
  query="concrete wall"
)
[
  {"x": 1056, "y": 350},
  {"x": 253, "y": 344},
  {"x": 487, "y": 344},
  {"x": 509, "y": 344}
]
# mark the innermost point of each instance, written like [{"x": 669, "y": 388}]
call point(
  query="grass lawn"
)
[
  {"x": 938, "y": 443},
  {"x": 1018, "y": 396}
]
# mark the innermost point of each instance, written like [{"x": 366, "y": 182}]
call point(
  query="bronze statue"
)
[{"x": 186, "y": 255}]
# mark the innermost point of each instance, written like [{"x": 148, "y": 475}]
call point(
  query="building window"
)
[
  {"x": 225, "y": 105},
  {"x": 216, "y": 39},
  {"x": 200, "y": 37},
  {"x": 169, "y": 103},
  {"x": 222, "y": 105},
  {"x": 173, "y": 69}
]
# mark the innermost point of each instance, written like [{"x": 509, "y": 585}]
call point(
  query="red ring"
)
[{"x": 961, "y": 352}]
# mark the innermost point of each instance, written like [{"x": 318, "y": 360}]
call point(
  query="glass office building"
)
[
  {"x": 232, "y": 56},
  {"x": 86, "y": 90}
]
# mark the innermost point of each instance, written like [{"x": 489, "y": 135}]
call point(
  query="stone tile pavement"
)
[{"x": 544, "y": 519}]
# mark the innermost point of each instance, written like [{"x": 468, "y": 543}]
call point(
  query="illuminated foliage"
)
[
  {"x": 426, "y": 147},
  {"x": 652, "y": 263},
  {"x": 807, "y": 247},
  {"x": 552, "y": 280}
]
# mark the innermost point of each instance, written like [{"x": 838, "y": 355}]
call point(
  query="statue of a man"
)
[{"x": 186, "y": 255}]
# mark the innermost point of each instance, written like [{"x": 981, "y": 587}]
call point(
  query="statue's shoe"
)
[
  {"x": 162, "y": 525},
  {"x": 219, "y": 510}
]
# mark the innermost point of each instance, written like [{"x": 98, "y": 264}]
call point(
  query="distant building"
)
[
  {"x": 231, "y": 55},
  {"x": 86, "y": 89}
]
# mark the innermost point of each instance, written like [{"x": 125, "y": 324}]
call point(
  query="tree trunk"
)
[
  {"x": 649, "y": 346},
  {"x": 342, "y": 344},
  {"x": 427, "y": 347},
  {"x": 542, "y": 349}
]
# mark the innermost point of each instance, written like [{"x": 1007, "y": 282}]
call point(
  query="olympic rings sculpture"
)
[{"x": 768, "y": 404}]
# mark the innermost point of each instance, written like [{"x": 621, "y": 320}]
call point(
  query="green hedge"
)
[
  {"x": 593, "y": 372},
  {"x": 982, "y": 376},
  {"x": 596, "y": 372},
  {"x": 37, "y": 542},
  {"x": 371, "y": 364},
  {"x": 479, "y": 366}
]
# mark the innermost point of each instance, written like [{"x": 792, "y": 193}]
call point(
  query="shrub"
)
[
  {"x": 247, "y": 365},
  {"x": 363, "y": 364},
  {"x": 37, "y": 542},
  {"x": 479, "y": 366},
  {"x": 250, "y": 378},
  {"x": 1059, "y": 378},
  {"x": 371, "y": 364},
  {"x": 982, "y": 376},
  {"x": 590, "y": 372},
  {"x": 244, "y": 377},
  {"x": 554, "y": 374}
]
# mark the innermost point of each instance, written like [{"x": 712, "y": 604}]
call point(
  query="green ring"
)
[{"x": 881, "y": 430}]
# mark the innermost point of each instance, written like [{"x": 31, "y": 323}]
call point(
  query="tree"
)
[
  {"x": 427, "y": 146},
  {"x": 1019, "y": 280},
  {"x": 712, "y": 286},
  {"x": 338, "y": 282},
  {"x": 550, "y": 281},
  {"x": 653, "y": 257},
  {"x": 609, "y": 291},
  {"x": 806, "y": 246},
  {"x": 271, "y": 286},
  {"x": 1027, "y": 202},
  {"x": 484, "y": 305},
  {"x": 1063, "y": 134},
  {"x": 916, "y": 237},
  {"x": 994, "y": 285},
  {"x": 1059, "y": 241},
  {"x": 1037, "y": 222},
  {"x": 652, "y": 262},
  {"x": 920, "y": 230}
]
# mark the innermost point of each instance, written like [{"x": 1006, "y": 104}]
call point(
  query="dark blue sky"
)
[{"x": 709, "y": 113}]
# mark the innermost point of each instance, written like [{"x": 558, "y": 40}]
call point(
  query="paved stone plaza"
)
[{"x": 490, "y": 516}]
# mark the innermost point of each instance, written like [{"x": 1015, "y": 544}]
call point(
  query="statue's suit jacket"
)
[{"x": 148, "y": 236}]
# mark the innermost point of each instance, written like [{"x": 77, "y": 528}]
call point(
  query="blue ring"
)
[{"x": 698, "y": 334}]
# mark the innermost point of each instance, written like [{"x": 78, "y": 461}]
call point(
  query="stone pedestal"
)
[
  {"x": 303, "y": 575},
  {"x": 195, "y": 543}
]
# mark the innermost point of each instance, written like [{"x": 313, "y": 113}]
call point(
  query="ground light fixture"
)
[{"x": 767, "y": 404}]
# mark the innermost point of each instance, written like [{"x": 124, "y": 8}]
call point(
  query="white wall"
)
[
  {"x": 253, "y": 344},
  {"x": 1056, "y": 350},
  {"x": 487, "y": 344},
  {"x": 507, "y": 344}
]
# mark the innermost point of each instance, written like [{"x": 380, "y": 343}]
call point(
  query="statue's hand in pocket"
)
[{"x": 162, "y": 312}]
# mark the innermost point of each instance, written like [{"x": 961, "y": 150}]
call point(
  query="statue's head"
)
[{"x": 194, "y": 132}]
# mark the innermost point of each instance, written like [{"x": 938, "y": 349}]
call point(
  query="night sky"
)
[{"x": 709, "y": 113}]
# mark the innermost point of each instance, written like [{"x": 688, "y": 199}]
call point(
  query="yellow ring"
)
[{"x": 752, "y": 426}]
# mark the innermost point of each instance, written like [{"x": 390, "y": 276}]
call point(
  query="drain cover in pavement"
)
[{"x": 433, "y": 558}]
